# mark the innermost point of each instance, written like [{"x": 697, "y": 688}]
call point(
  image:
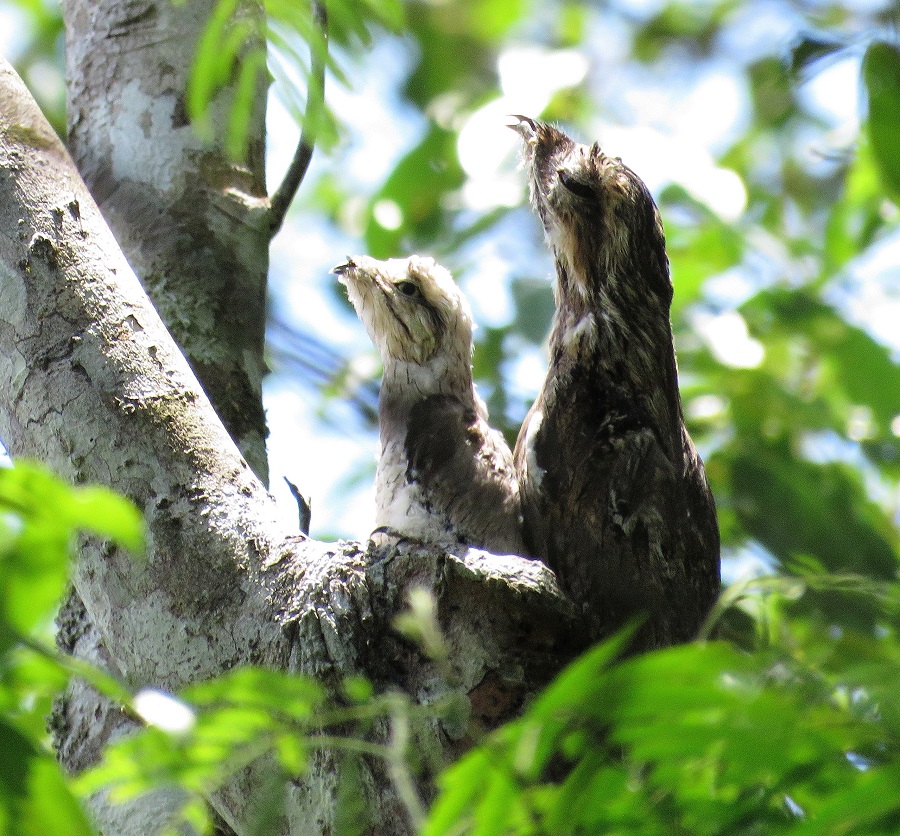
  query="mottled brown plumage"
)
[
  {"x": 614, "y": 494},
  {"x": 444, "y": 475}
]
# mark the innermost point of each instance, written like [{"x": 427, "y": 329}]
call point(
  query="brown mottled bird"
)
[
  {"x": 444, "y": 476},
  {"x": 614, "y": 494}
]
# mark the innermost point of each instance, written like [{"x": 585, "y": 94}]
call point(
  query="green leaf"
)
[
  {"x": 854, "y": 363},
  {"x": 244, "y": 103},
  {"x": 50, "y": 807},
  {"x": 698, "y": 249},
  {"x": 868, "y": 803},
  {"x": 796, "y": 507},
  {"x": 494, "y": 810},
  {"x": 416, "y": 187},
  {"x": 43, "y": 515},
  {"x": 460, "y": 785},
  {"x": 288, "y": 695},
  {"x": 691, "y": 23},
  {"x": 810, "y": 49},
  {"x": 358, "y": 689},
  {"x": 451, "y": 59},
  {"x": 773, "y": 94},
  {"x": 491, "y": 19},
  {"x": 213, "y": 60},
  {"x": 34, "y": 797},
  {"x": 881, "y": 71},
  {"x": 351, "y": 814}
]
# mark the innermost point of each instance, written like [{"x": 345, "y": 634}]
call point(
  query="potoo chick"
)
[
  {"x": 444, "y": 476},
  {"x": 614, "y": 494}
]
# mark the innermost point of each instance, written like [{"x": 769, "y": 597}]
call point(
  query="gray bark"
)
[
  {"x": 92, "y": 384},
  {"x": 191, "y": 221},
  {"x": 192, "y": 225}
]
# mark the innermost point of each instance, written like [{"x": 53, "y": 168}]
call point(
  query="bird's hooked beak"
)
[
  {"x": 525, "y": 127},
  {"x": 340, "y": 270},
  {"x": 360, "y": 271}
]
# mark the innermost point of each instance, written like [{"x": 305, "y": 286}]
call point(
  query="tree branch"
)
[
  {"x": 315, "y": 103},
  {"x": 92, "y": 384},
  {"x": 191, "y": 220}
]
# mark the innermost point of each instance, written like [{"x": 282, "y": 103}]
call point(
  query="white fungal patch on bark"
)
[
  {"x": 12, "y": 296},
  {"x": 141, "y": 115}
]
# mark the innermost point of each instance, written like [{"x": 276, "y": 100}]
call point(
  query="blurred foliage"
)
[
  {"x": 798, "y": 736},
  {"x": 194, "y": 742},
  {"x": 39, "y": 520},
  {"x": 290, "y": 40},
  {"x": 787, "y": 723},
  {"x": 37, "y": 53},
  {"x": 274, "y": 722},
  {"x": 881, "y": 70}
]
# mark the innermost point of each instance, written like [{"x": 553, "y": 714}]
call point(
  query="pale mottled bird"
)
[
  {"x": 444, "y": 476},
  {"x": 614, "y": 493}
]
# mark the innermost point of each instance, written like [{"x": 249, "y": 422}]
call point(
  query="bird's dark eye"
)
[
  {"x": 574, "y": 186},
  {"x": 408, "y": 288}
]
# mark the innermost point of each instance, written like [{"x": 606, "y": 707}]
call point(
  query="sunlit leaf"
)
[
  {"x": 286, "y": 694},
  {"x": 42, "y": 515},
  {"x": 856, "y": 217},
  {"x": 34, "y": 797},
  {"x": 809, "y": 49},
  {"x": 881, "y": 71},
  {"x": 461, "y": 785}
]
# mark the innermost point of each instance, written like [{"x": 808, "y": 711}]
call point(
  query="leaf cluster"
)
[
  {"x": 40, "y": 518},
  {"x": 798, "y": 735}
]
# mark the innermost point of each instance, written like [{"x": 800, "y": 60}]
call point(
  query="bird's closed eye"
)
[
  {"x": 410, "y": 289},
  {"x": 574, "y": 186}
]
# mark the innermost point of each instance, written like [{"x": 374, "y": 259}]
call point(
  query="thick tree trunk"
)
[
  {"x": 191, "y": 221},
  {"x": 92, "y": 384}
]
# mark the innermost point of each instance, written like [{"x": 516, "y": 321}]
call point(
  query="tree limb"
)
[
  {"x": 92, "y": 384},
  {"x": 191, "y": 219},
  {"x": 315, "y": 102}
]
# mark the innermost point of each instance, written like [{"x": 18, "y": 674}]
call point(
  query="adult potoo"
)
[
  {"x": 444, "y": 475},
  {"x": 614, "y": 493}
]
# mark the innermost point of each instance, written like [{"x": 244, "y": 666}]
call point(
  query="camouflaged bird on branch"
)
[
  {"x": 444, "y": 475},
  {"x": 611, "y": 490},
  {"x": 614, "y": 493}
]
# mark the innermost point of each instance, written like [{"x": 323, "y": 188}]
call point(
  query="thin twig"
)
[
  {"x": 315, "y": 102},
  {"x": 101, "y": 680},
  {"x": 398, "y": 764},
  {"x": 304, "y": 508}
]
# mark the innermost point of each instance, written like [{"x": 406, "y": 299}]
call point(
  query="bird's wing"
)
[
  {"x": 530, "y": 479},
  {"x": 437, "y": 445},
  {"x": 464, "y": 472},
  {"x": 660, "y": 548}
]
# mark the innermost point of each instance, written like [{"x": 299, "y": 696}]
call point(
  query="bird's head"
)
[
  {"x": 599, "y": 217},
  {"x": 412, "y": 309}
]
